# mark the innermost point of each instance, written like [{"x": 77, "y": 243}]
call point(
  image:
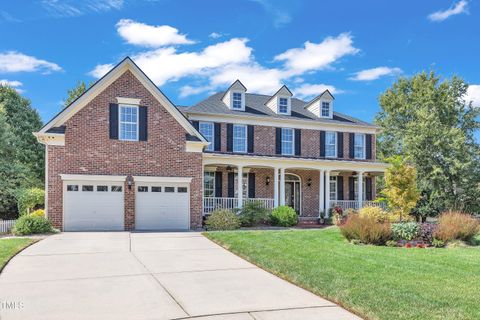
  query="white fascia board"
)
[
  {"x": 162, "y": 179},
  {"x": 196, "y": 146},
  {"x": 52, "y": 139},
  {"x": 89, "y": 177},
  {"x": 281, "y": 122}
]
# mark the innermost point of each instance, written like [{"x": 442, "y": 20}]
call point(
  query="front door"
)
[{"x": 292, "y": 195}]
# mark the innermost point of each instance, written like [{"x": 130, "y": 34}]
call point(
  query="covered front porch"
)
[{"x": 310, "y": 186}]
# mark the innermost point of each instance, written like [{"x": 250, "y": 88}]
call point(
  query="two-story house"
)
[{"x": 122, "y": 156}]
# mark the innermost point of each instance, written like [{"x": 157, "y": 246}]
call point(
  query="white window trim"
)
[
  {"x": 214, "y": 174},
  {"x": 364, "y": 146},
  {"x": 233, "y": 138},
  {"x": 288, "y": 105},
  {"x": 120, "y": 106},
  {"x": 242, "y": 101},
  {"x": 336, "y": 144},
  {"x": 333, "y": 178},
  {"x": 293, "y": 142},
  {"x": 210, "y": 147},
  {"x": 330, "y": 109},
  {"x": 235, "y": 184}
]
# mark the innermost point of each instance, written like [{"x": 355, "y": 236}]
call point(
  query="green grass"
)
[
  {"x": 374, "y": 282},
  {"x": 10, "y": 247}
]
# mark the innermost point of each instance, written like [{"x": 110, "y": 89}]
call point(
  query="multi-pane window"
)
[
  {"x": 206, "y": 129},
  {"x": 330, "y": 144},
  {"x": 355, "y": 189},
  {"x": 333, "y": 188},
  {"x": 239, "y": 138},
  {"x": 244, "y": 185},
  {"x": 128, "y": 122},
  {"x": 359, "y": 146},
  {"x": 283, "y": 105},
  {"x": 209, "y": 184},
  {"x": 325, "y": 109},
  {"x": 236, "y": 100},
  {"x": 287, "y": 141}
]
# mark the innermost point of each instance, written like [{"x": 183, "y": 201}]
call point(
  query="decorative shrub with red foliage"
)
[
  {"x": 408, "y": 245},
  {"x": 366, "y": 229},
  {"x": 427, "y": 230},
  {"x": 456, "y": 226}
]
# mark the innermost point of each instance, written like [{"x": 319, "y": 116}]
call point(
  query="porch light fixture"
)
[
  {"x": 129, "y": 182},
  {"x": 267, "y": 181},
  {"x": 309, "y": 182}
]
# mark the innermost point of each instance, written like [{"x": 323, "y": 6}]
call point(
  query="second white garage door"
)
[{"x": 162, "y": 206}]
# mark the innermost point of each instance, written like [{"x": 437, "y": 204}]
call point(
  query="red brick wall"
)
[{"x": 88, "y": 150}]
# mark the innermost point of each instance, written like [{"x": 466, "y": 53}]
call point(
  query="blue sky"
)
[{"x": 193, "y": 48}]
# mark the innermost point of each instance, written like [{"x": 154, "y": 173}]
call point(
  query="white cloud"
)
[
  {"x": 187, "y": 90},
  {"x": 215, "y": 35},
  {"x": 375, "y": 73},
  {"x": 473, "y": 95},
  {"x": 317, "y": 56},
  {"x": 72, "y": 8},
  {"x": 13, "y": 84},
  {"x": 308, "y": 90},
  {"x": 458, "y": 8},
  {"x": 13, "y": 61},
  {"x": 141, "y": 34},
  {"x": 100, "y": 70}
]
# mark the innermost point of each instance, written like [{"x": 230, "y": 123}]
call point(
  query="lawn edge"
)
[
  {"x": 241, "y": 256},
  {"x": 9, "y": 259}
]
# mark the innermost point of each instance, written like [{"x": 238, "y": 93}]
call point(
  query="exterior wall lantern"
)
[
  {"x": 129, "y": 182},
  {"x": 309, "y": 182},
  {"x": 267, "y": 181}
]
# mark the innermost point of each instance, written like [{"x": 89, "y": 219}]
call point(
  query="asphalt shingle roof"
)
[{"x": 255, "y": 105}]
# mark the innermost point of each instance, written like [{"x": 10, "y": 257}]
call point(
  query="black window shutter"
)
[
  {"x": 113, "y": 121},
  {"x": 218, "y": 184},
  {"x": 368, "y": 187},
  {"x": 340, "y": 188},
  {"x": 231, "y": 184},
  {"x": 218, "y": 137},
  {"x": 368, "y": 146},
  {"x": 250, "y": 136},
  {"x": 322, "y": 144},
  {"x": 351, "y": 188},
  {"x": 195, "y": 124},
  {"x": 251, "y": 185},
  {"x": 278, "y": 140},
  {"x": 298, "y": 142},
  {"x": 351, "y": 146},
  {"x": 340, "y": 144},
  {"x": 229, "y": 137},
  {"x": 143, "y": 123}
]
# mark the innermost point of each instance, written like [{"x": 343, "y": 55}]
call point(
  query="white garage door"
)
[
  {"x": 93, "y": 205},
  {"x": 162, "y": 206}
]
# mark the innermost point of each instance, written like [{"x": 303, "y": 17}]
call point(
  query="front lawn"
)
[
  {"x": 374, "y": 282},
  {"x": 10, "y": 247}
]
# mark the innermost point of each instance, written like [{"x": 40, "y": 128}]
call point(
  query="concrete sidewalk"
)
[{"x": 122, "y": 275}]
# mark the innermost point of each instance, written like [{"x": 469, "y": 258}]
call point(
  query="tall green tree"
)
[
  {"x": 74, "y": 93},
  {"x": 428, "y": 121}
]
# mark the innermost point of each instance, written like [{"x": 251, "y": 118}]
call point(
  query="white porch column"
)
[
  {"x": 360, "y": 189},
  {"x": 321, "y": 191},
  {"x": 275, "y": 187},
  {"x": 240, "y": 186},
  {"x": 282, "y": 186},
  {"x": 327, "y": 192}
]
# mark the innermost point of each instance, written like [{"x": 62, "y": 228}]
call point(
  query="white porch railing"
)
[
  {"x": 6, "y": 225},
  {"x": 353, "y": 204},
  {"x": 213, "y": 203}
]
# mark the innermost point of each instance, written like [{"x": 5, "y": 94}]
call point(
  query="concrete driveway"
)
[{"x": 148, "y": 276}]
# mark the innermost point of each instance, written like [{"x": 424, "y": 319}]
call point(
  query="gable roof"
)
[
  {"x": 232, "y": 85},
  {"x": 283, "y": 88},
  {"x": 318, "y": 97},
  {"x": 255, "y": 106},
  {"x": 126, "y": 64}
]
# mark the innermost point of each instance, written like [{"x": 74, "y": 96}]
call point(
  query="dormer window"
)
[
  {"x": 325, "y": 109},
  {"x": 237, "y": 100},
  {"x": 283, "y": 105}
]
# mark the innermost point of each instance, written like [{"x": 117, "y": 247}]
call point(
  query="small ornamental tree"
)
[{"x": 401, "y": 186}]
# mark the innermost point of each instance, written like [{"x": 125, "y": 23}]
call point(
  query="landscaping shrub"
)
[
  {"x": 252, "y": 214},
  {"x": 392, "y": 243},
  {"x": 456, "y": 226},
  {"x": 427, "y": 230},
  {"x": 222, "y": 219},
  {"x": 376, "y": 213},
  {"x": 38, "y": 212},
  {"x": 366, "y": 229},
  {"x": 283, "y": 216},
  {"x": 338, "y": 215},
  {"x": 29, "y": 199},
  {"x": 405, "y": 231},
  {"x": 31, "y": 224}
]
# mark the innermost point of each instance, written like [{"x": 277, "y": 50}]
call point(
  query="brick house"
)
[{"x": 123, "y": 157}]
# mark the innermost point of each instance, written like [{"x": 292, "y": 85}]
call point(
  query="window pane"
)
[
  {"x": 283, "y": 105},
  {"x": 359, "y": 146},
  {"x": 237, "y": 100},
  {"x": 206, "y": 129},
  {"x": 244, "y": 185},
  {"x": 156, "y": 189},
  {"x": 330, "y": 144},
  {"x": 142, "y": 189},
  {"x": 325, "y": 109},
  {"x": 116, "y": 188},
  {"x": 287, "y": 141},
  {"x": 333, "y": 188},
  {"x": 72, "y": 187},
  {"x": 239, "y": 138},
  {"x": 87, "y": 188},
  {"x": 169, "y": 189},
  {"x": 102, "y": 188},
  {"x": 128, "y": 123},
  {"x": 182, "y": 189},
  {"x": 209, "y": 184}
]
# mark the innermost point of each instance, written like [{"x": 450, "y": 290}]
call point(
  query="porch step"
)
[{"x": 309, "y": 222}]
